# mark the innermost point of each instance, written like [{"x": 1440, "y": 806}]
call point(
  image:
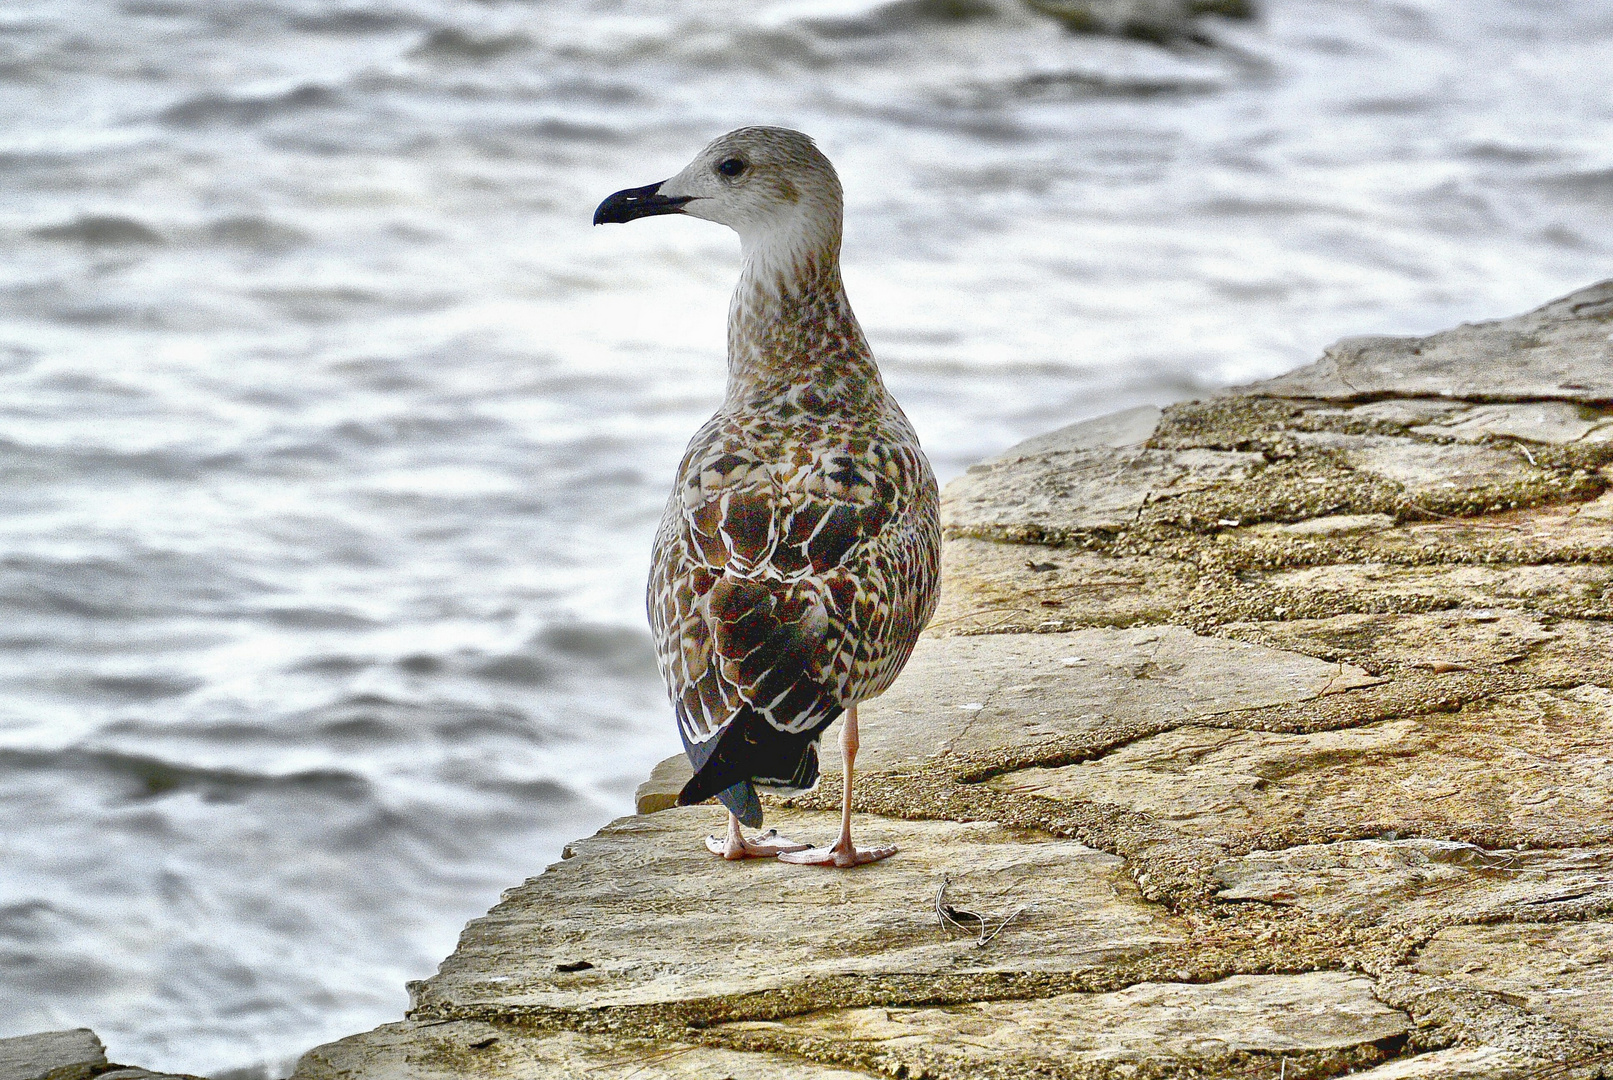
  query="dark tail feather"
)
[
  {"x": 806, "y": 775},
  {"x": 742, "y": 802},
  {"x": 708, "y": 782},
  {"x": 753, "y": 750}
]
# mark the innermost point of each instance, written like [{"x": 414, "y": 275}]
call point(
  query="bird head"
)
[{"x": 768, "y": 184}]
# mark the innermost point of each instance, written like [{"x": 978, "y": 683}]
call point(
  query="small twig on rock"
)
[
  {"x": 1472, "y": 523},
  {"x": 982, "y": 611},
  {"x": 949, "y": 917}
]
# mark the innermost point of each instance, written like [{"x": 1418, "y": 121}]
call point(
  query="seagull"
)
[{"x": 798, "y": 559}]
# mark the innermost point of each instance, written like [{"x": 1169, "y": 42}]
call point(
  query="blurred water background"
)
[{"x": 332, "y": 438}]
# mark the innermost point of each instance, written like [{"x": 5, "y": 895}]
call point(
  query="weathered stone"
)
[
  {"x": 1579, "y": 533},
  {"x": 1333, "y": 525},
  {"x": 1115, "y": 431},
  {"x": 467, "y": 1048},
  {"x": 1457, "y": 1063},
  {"x": 1334, "y": 666},
  {"x": 1391, "y": 587},
  {"x": 76, "y": 1054},
  {"x": 1535, "y": 421},
  {"x": 1025, "y": 588},
  {"x": 1563, "y": 970},
  {"x": 1420, "y": 467},
  {"x": 1559, "y": 352},
  {"x": 1419, "y": 880},
  {"x": 1006, "y": 693},
  {"x": 1182, "y": 1024},
  {"x": 1525, "y": 761},
  {"x": 1405, "y": 412},
  {"x": 1438, "y": 641},
  {"x": 52, "y": 1055},
  {"x": 1053, "y": 494},
  {"x": 660, "y": 791},
  {"x": 658, "y": 919}
]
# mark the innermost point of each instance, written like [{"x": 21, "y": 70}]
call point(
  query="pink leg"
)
[
  {"x": 844, "y": 853},
  {"x": 737, "y": 846}
]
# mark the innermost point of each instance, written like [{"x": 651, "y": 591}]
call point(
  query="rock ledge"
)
[{"x": 1261, "y": 736}]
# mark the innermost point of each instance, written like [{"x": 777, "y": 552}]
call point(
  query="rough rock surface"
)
[
  {"x": 76, "y": 1054},
  {"x": 59, "y": 1055},
  {"x": 1263, "y": 736}
]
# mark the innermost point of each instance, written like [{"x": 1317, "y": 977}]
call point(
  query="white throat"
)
[{"x": 782, "y": 258}]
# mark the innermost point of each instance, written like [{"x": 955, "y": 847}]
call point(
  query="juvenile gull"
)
[{"x": 799, "y": 554}]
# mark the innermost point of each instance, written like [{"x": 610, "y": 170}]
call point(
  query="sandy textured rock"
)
[
  {"x": 1420, "y": 467},
  {"x": 1421, "y": 880},
  {"x": 660, "y": 791},
  {"x": 1534, "y": 421},
  {"x": 1559, "y": 351},
  {"x": 1458, "y": 1063},
  {"x": 1309, "y": 677},
  {"x": 75, "y": 1054},
  {"x": 1564, "y": 970},
  {"x": 1149, "y": 1022},
  {"x": 52, "y": 1055},
  {"x": 999, "y": 587},
  {"x": 1333, "y": 525},
  {"x": 1052, "y": 493},
  {"x": 644, "y": 904},
  {"x": 1115, "y": 431},
  {"x": 1470, "y": 586},
  {"x": 458, "y": 1049},
  {"x": 1470, "y": 638},
  {"x": 1536, "y": 760},
  {"x": 1002, "y": 692}
]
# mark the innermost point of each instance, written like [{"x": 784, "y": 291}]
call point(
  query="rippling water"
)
[{"x": 332, "y": 438}]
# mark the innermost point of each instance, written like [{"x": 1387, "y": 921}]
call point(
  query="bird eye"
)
[{"x": 731, "y": 166}]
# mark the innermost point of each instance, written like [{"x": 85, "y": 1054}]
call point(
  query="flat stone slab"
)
[
  {"x": 1450, "y": 640},
  {"x": 1116, "y": 431},
  {"x": 1556, "y": 422},
  {"x": 1422, "y": 468},
  {"x": 75, "y": 1054},
  {"x": 1521, "y": 761},
  {"x": 999, "y": 587},
  {"x": 1184, "y": 1024},
  {"x": 1416, "y": 880},
  {"x": 1558, "y": 351},
  {"x": 1008, "y": 693},
  {"x": 656, "y": 918},
  {"x": 1051, "y": 493},
  {"x": 1412, "y": 536},
  {"x": 1457, "y": 1063},
  {"x": 1474, "y": 585},
  {"x": 998, "y": 693},
  {"x": 468, "y": 1048},
  {"x": 660, "y": 791},
  {"x": 1564, "y": 970}
]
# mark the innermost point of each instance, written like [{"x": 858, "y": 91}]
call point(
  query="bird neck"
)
[{"x": 793, "y": 343}]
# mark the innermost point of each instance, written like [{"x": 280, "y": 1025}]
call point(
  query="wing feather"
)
[{"x": 791, "y": 578}]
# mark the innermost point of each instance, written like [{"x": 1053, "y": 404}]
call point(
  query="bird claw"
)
[
  {"x": 838, "y": 856},
  {"x": 765, "y": 846}
]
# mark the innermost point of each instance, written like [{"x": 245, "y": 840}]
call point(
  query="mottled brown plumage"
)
[{"x": 798, "y": 558}]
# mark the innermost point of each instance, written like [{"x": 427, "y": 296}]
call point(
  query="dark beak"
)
[{"x": 636, "y": 203}]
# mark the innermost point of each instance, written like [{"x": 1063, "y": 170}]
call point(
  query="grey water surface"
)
[{"x": 332, "y": 437}]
